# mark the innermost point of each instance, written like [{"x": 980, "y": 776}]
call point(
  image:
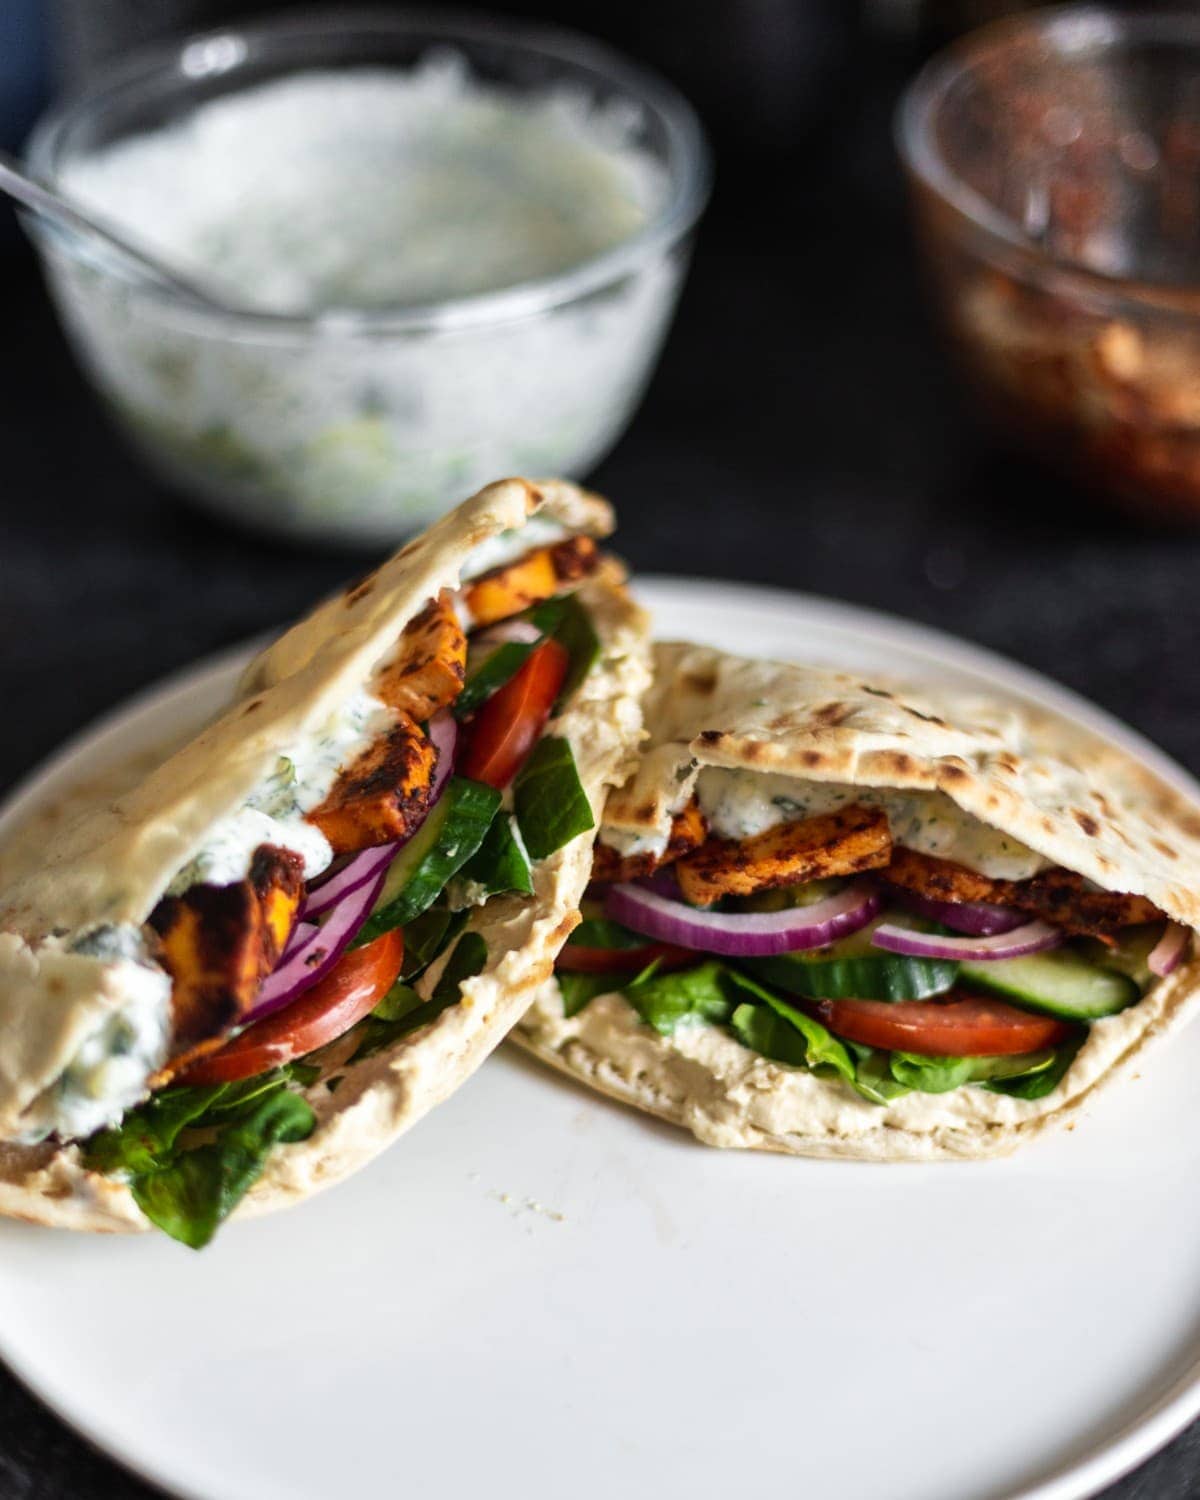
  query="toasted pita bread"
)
[
  {"x": 149, "y": 831},
  {"x": 1061, "y": 790}
]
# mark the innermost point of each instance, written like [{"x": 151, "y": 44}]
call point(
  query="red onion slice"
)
[
  {"x": 301, "y": 933},
  {"x": 362, "y": 867},
  {"x": 443, "y": 731},
  {"x": 309, "y": 960},
  {"x": 976, "y": 918},
  {"x": 1167, "y": 952},
  {"x": 743, "y": 934},
  {"x": 663, "y": 882},
  {"x": 1030, "y": 937}
]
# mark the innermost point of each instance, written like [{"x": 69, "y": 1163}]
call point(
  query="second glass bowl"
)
[{"x": 1054, "y": 160}]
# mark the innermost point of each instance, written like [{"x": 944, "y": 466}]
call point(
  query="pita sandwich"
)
[
  {"x": 237, "y": 981},
  {"x": 839, "y": 918}
]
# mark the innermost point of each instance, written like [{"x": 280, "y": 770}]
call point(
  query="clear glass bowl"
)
[
  {"x": 361, "y": 426},
  {"x": 1054, "y": 162}
]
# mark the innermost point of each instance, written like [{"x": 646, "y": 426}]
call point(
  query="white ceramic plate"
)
[{"x": 538, "y": 1293}]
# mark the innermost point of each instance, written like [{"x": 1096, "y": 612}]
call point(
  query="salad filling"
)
[
  {"x": 326, "y": 917},
  {"x": 827, "y": 928}
]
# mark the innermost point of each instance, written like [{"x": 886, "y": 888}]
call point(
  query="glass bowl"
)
[
  {"x": 359, "y": 426},
  {"x": 1054, "y": 163}
]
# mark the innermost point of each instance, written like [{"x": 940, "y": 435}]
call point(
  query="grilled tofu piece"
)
[
  {"x": 942, "y": 879},
  {"x": 538, "y": 575},
  {"x": 219, "y": 942},
  {"x": 379, "y": 796},
  {"x": 689, "y": 829},
  {"x": 1067, "y": 900},
  {"x": 428, "y": 669},
  {"x": 1058, "y": 896},
  {"x": 838, "y": 843}
]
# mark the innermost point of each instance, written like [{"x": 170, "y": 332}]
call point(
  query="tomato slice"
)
[
  {"x": 355, "y": 985},
  {"x": 577, "y": 958},
  {"x": 965, "y": 1026},
  {"x": 507, "y": 726}
]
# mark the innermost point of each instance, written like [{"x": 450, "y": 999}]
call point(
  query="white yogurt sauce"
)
[
  {"x": 506, "y": 546},
  {"x": 374, "y": 188},
  {"x": 356, "y": 189},
  {"x": 741, "y": 803},
  {"x": 275, "y": 812},
  {"x": 107, "y": 1074}
]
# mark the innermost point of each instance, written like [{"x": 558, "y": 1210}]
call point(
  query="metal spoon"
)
[{"x": 50, "y": 204}]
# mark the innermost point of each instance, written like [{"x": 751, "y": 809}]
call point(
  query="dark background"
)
[{"x": 803, "y": 430}]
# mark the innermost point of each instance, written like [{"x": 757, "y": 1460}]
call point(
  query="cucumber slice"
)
[
  {"x": 785, "y": 897},
  {"x": 449, "y": 836},
  {"x": 852, "y": 969},
  {"x": 1059, "y": 983},
  {"x": 1131, "y": 954}
]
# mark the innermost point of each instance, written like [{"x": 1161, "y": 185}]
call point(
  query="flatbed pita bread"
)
[
  {"x": 148, "y": 832},
  {"x": 1060, "y": 789}
]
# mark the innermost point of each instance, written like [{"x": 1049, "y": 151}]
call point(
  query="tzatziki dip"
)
[{"x": 330, "y": 201}]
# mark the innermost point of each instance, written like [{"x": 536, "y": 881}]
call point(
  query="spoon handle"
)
[{"x": 45, "y": 201}]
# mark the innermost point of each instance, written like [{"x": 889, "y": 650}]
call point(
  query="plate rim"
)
[{"x": 1107, "y": 1460}]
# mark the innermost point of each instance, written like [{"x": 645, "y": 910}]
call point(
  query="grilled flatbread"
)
[
  {"x": 986, "y": 801},
  {"x": 80, "y": 963}
]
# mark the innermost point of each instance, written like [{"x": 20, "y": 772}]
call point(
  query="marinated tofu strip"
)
[
  {"x": 219, "y": 942},
  {"x": 429, "y": 667},
  {"x": 689, "y": 829},
  {"x": 839, "y": 843},
  {"x": 1058, "y": 896},
  {"x": 942, "y": 879},
  {"x": 507, "y": 590},
  {"x": 382, "y": 794},
  {"x": 1067, "y": 900}
]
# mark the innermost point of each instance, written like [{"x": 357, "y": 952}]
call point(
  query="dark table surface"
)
[{"x": 803, "y": 431}]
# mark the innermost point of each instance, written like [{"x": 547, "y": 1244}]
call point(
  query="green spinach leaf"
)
[
  {"x": 665, "y": 1001},
  {"x": 426, "y": 936},
  {"x": 569, "y": 623},
  {"x": 824, "y": 1053},
  {"x": 873, "y": 1074},
  {"x": 578, "y": 990},
  {"x": 500, "y": 864},
  {"x": 939, "y": 1075},
  {"x": 146, "y": 1136},
  {"x": 551, "y": 805},
  {"x": 467, "y": 960},
  {"x": 602, "y": 932},
  {"x": 189, "y": 1197},
  {"x": 401, "y": 1000}
]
